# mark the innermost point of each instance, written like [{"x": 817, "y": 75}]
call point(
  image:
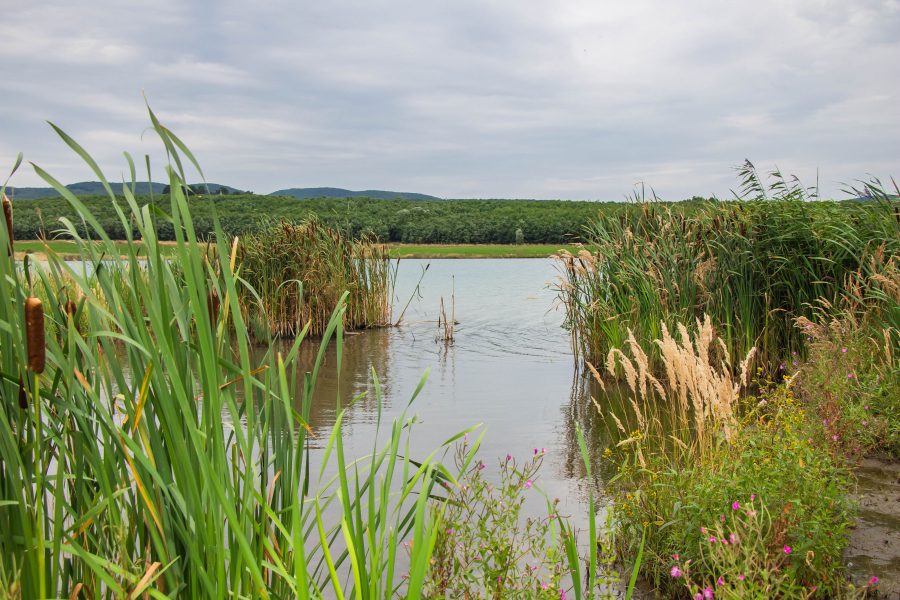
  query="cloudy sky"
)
[{"x": 459, "y": 98}]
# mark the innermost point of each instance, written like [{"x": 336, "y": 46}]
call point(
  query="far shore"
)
[{"x": 38, "y": 249}]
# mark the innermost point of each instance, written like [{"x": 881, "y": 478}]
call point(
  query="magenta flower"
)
[
  {"x": 675, "y": 572},
  {"x": 788, "y": 549},
  {"x": 732, "y": 538},
  {"x": 712, "y": 539},
  {"x": 850, "y": 376},
  {"x": 873, "y": 580},
  {"x": 674, "y": 557},
  {"x": 528, "y": 484},
  {"x": 752, "y": 497},
  {"x": 844, "y": 350},
  {"x": 708, "y": 592},
  {"x": 703, "y": 530},
  {"x": 722, "y": 518},
  {"x": 562, "y": 594},
  {"x": 735, "y": 505},
  {"x": 741, "y": 577},
  {"x": 720, "y": 580},
  {"x": 508, "y": 457}
]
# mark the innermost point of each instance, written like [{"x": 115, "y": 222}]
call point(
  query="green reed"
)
[
  {"x": 299, "y": 271},
  {"x": 754, "y": 266}
]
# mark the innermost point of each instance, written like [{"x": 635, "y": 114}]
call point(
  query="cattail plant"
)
[
  {"x": 34, "y": 334},
  {"x": 8, "y": 217}
]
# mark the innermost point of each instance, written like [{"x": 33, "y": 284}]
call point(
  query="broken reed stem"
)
[
  {"x": 8, "y": 216},
  {"x": 34, "y": 334}
]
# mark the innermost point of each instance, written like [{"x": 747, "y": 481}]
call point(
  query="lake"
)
[{"x": 509, "y": 368}]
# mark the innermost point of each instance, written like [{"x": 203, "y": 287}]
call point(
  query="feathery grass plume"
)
[
  {"x": 34, "y": 334},
  {"x": 697, "y": 400},
  {"x": 8, "y": 217}
]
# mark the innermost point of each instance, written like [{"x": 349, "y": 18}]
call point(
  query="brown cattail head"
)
[
  {"x": 23, "y": 397},
  {"x": 34, "y": 334},
  {"x": 212, "y": 306},
  {"x": 7, "y": 215}
]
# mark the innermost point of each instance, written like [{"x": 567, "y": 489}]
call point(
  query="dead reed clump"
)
[{"x": 299, "y": 271}]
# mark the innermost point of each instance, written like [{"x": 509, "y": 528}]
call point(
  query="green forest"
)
[
  {"x": 390, "y": 221},
  {"x": 404, "y": 221}
]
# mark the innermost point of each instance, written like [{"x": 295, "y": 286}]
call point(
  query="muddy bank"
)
[{"x": 874, "y": 547}]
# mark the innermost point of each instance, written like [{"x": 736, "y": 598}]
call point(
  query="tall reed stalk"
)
[{"x": 752, "y": 265}]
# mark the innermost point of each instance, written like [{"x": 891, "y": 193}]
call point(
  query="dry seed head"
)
[
  {"x": 8, "y": 217},
  {"x": 34, "y": 334},
  {"x": 212, "y": 306}
]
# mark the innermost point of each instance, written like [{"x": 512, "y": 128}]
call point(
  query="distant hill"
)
[
  {"x": 329, "y": 192},
  {"x": 95, "y": 188}
]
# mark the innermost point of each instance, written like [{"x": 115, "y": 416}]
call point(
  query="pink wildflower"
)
[
  {"x": 752, "y": 497},
  {"x": 788, "y": 549},
  {"x": 732, "y": 538},
  {"x": 708, "y": 592},
  {"x": 873, "y": 580},
  {"x": 562, "y": 594},
  {"x": 844, "y": 350},
  {"x": 735, "y": 505},
  {"x": 509, "y": 457},
  {"x": 528, "y": 484},
  {"x": 741, "y": 577},
  {"x": 720, "y": 580},
  {"x": 675, "y": 572},
  {"x": 712, "y": 539}
]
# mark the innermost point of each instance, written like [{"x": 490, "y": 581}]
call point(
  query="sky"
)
[{"x": 579, "y": 99}]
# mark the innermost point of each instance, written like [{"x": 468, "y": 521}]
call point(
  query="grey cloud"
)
[{"x": 530, "y": 99}]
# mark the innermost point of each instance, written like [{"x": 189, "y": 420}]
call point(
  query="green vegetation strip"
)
[{"x": 70, "y": 249}]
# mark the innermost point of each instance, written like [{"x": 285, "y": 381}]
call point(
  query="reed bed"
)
[
  {"x": 300, "y": 271},
  {"x": 753, "y": 266},
  {"x": 148, "y": 450},
  {"x": 123, "y": 472}
]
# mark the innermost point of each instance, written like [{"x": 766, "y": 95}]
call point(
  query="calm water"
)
[{"x": 510, "y": 369}]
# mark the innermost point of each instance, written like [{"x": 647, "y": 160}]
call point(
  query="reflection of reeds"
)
[
  {"x": 301, "y": 270},
  {"x": 753, "y": 266}
]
